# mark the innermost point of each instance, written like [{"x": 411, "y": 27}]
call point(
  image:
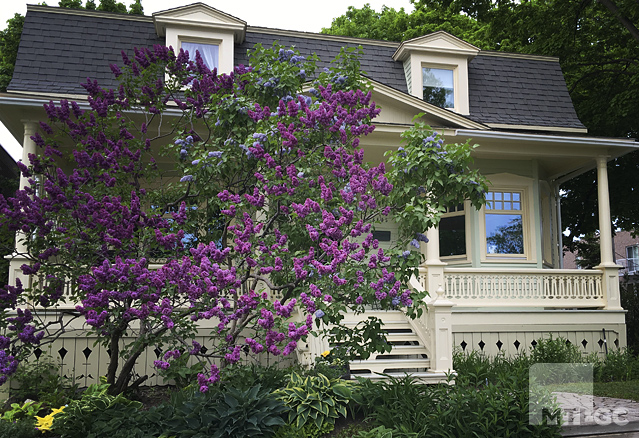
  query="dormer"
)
[
  {"x": 201, "y": 27},
  {"x": 436, "y": 67}
]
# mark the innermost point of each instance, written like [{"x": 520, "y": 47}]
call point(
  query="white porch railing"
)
[{"x": 558, "y": 288}]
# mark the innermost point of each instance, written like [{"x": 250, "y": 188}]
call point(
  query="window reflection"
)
[{"x": 504, "y": 234}]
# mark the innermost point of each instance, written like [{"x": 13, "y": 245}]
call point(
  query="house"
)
[
  {"x": 495, "y": 275},
  {"x": 625, "y": 252}
]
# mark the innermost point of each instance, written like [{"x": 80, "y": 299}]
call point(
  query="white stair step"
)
[
  {"x": 402, "y": 337},
  {"x": 425, "y": 377},
  {"x": 402, "y": 350},
  {"x": 389, "y": 365}
]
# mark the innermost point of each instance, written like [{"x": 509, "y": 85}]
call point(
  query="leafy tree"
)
[
  {"x": 8, "y": 185},
  {"x": 10, "y": 37},
  {"x": 9, "y": 41},
  {"x": 254, "y": 199},
  {"x": 392, "y": 25},
  {"x": 588, "y": 252}
]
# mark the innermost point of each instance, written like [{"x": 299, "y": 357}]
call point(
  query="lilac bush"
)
[{"x": 251, "y": 192}]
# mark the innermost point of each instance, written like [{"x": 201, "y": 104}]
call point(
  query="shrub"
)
[
  {"x": 227, "y": 412},
  {"x": 18, "y": 429},
  {"x": 616, "y": 366},
  {"x": 98, "y": 414},
  {"x": 26, "y": 410},
  {"x": 487, "y": 410},
  {"x": 41, "y": 381},
  {"x": 555, "y": 350},
  {"x": 316, "y": 399},
  {"x": 244, "y": 377}
]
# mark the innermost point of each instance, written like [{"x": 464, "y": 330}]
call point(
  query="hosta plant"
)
[{"x": 315, "y": 399}]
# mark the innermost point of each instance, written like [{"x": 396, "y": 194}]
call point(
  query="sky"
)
[{"x": 301, "y": 15}]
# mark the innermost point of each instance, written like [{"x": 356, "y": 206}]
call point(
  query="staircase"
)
[{"x": 409, "y": 354}]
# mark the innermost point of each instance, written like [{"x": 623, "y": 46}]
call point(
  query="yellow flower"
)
[
  {"x": 326, "y": 353},
  {"x": 44, "y": 423}
]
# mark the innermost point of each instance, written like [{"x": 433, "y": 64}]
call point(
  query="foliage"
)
[
  {"x": 333, "y": 363},
  {"x": 269, "y": 378},
  {"x": 96, "y": 412},
  {"x": 431, "y": 175},
  {"x": 21, "y": 428},
  {"x": 309, "y": 430},
  {"x": 382, "y": 432},
  {"x": 617, "y": 366},
  {"x": 180, "y": 372},
  {"x": 460, "y": 410},
  {"x": 9, "y": 41},
  {"x": 41, "y": 380},
  {"x": 587, "y": 251},
  {"x": 393, "y": 25},
  {"x": 267, "y": 231},
  {"x": 227, "y": 412},
  {"x": 8, "y": 186},
  {"x": 629, "y": 293},
  {"x": 18, "y": 411},
  {"x": 555, "y": 350},
  {"x": 315, "y": 399}
]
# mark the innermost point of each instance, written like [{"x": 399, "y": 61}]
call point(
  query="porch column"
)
[
  {"x": 28, "y": 147},
  {"x": 434, "y": 266},
  {"x": 608, "y": 267}
]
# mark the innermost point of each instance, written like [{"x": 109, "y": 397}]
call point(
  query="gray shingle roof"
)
[
  {"x": 60, "y": 50},
  {"x": 377, "y": 62},
  {"x": 519, "y": 91}
]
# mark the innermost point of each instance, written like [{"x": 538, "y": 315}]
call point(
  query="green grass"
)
[{"x": 628, "y": 390}]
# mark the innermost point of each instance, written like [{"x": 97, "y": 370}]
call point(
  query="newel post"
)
[
  {"x": 610, "y": 270},
  {"x": 441, "y": 332},
  {"x": 434, "y": 275}
]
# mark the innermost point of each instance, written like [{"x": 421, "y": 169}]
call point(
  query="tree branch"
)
[{"x": 625, "y": 21}]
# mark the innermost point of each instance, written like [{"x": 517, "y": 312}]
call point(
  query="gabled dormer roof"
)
[
  {"x": 436, "y": 42},
  {"x": 199, "y": 15}
]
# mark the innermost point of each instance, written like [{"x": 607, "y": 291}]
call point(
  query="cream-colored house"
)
[{"x": 495, "y": 276}]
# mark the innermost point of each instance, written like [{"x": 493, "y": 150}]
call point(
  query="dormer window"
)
[
  {"x": 436, "y": 69},
  {"x": 210, "y": 53},
  {"x": 199, "y": 27},
  {"x": 439, "y": 86}
]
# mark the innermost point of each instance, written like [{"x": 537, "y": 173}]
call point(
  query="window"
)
[
  {"x": 632, "y": 258},
  {"x": 452, "y": 232},
  {"x": 210, "y": 53},
  {"x": 504, "y": 223},
  {"x": 438, "y": 86}
]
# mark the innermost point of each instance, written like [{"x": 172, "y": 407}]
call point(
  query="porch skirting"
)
[{"x": 512, "y": 331}]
